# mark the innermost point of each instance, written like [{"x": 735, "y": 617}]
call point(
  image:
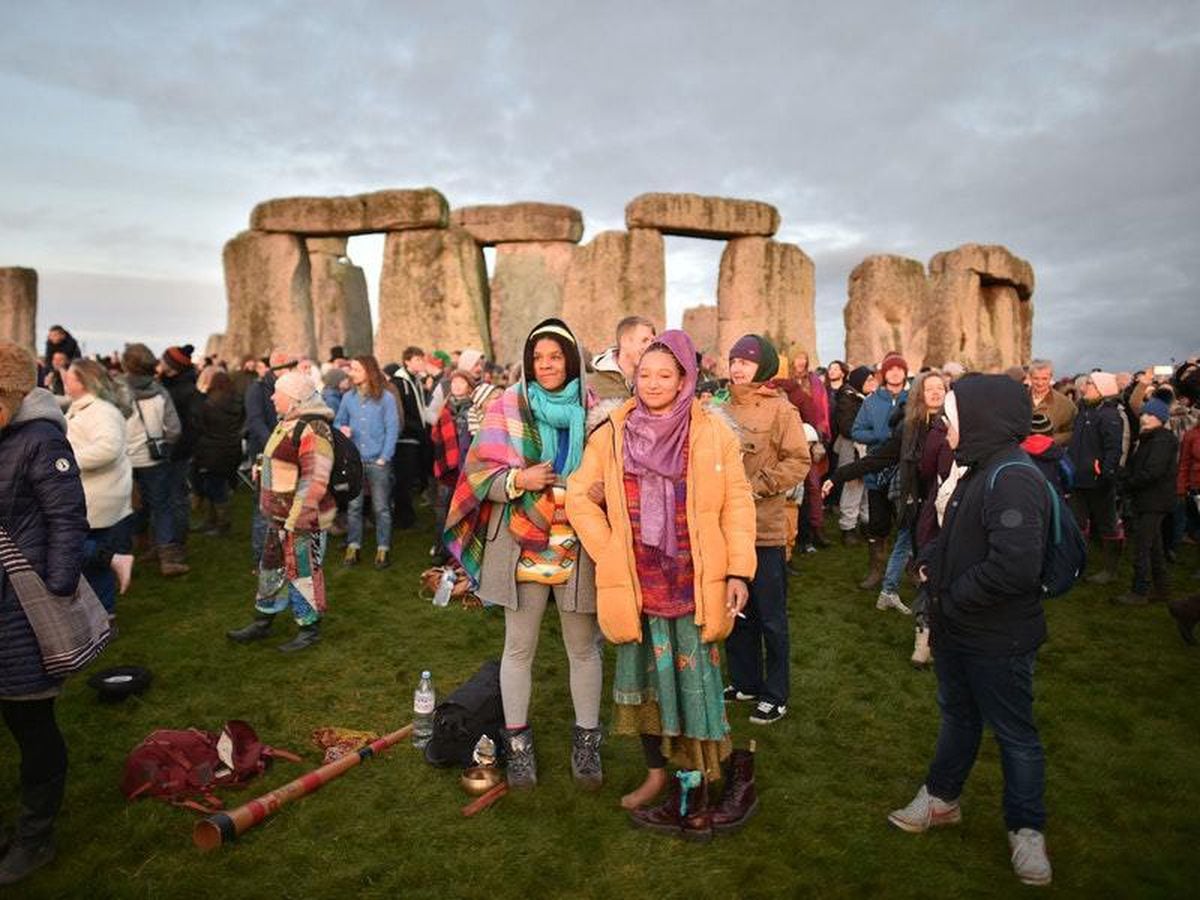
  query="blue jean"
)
[
  {"x": 764, "y": 628},
  {"x": 154, "y": 484},
  {"x": 997, "y": 690},
  {"x": 902, "y": 552},
  {"x": 98, "y": 552},
  {"x": 181, "y": 499},
  {"x": 377, "y": 479}
]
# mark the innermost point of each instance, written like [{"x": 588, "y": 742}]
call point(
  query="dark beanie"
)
[
  {"x": 1158, "y": 409},
  {"x": 177, "y": 359},
  {"x": 760, "y": 351},
  {"x": 1041, "y": 424},
  {"x": 858, "y": 377}
]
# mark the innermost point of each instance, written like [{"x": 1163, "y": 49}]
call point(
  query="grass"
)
[{"x": 1115, "y": 702}]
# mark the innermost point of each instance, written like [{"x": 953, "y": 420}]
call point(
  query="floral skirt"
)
[{"x": 670, "y": 684}]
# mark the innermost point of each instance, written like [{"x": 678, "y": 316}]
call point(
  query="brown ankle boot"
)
[
  {"x": 877, "y": 561},
  {"x": 172, "y": 560},
  {"x": 684, "y": 813},
  {"x": 740, "y": 800}
]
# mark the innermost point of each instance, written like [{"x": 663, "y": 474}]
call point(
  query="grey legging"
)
[{"x": 580, "y": 635}]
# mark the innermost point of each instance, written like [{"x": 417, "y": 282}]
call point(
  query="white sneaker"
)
[
  {"x": 924, "y": 812},
  {"x": 891, "y": 600},
  {"x": 1029, "y": 859}
]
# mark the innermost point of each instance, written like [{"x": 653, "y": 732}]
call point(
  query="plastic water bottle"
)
[
  {"x": 424, "y": 700},
  {"x": 441, "y": 597}
]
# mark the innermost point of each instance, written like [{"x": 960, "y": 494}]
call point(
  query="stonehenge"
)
[
  {"x": 700, "y": 322},
  {"x": 766, "y": 287},
  {"x": 616, "y": 274},
  {"x": 18, "y": 306}
]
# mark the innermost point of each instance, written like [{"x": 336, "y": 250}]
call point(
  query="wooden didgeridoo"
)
[{"x": 222, "y": 827}]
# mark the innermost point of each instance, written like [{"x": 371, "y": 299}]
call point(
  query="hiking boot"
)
[
  {"x": 740, "y": 800},
  {"x": 1029, "y": 860},
  {"x": 33, "y": 842},
  {"x": 305, "y": 637},
  {"x": 924, "y": 812},
  {"x": 585, "y": 757},
  {"x": 891, "y": 600},
  {"x": 732, "y": 694},
  {"x": 522, "y": 763},
  {"x": 351, "y": 557},
  {"x": 1131, "y": 598},
  {"x": 850, "y": 538},
  {"x": 381, "y": 558},
  {"x": 921, "y": 656},
  {"x": 767, "y": 712},
  {"x": 171, "y": 560},
  {"x": 876, "y": 563},
  {"x": 255, "y": 631},
  {"x": 1186, "y": 613}
]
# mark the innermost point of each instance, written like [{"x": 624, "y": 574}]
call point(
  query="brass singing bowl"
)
[{"x": 480, "y": 779}]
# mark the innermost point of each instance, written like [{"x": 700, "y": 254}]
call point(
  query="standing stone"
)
[
  {"x": 692, "y": 215},
  {"x": 18, "y": 306},
  {"x": 700, "y": 322},
  {"x": 341, "y": 315},
  {"x": 527, "y": 286},
  {"x": 268, "y": 286},
  {"x": 886, "y": 311},
  {"x": 212, "y": 348},
  {"x": 513, "y": 222},
  {"x": 394, "y": 210},
  {"x": 616, "y": 274},
  {"x": 766, "y": 287},
  {"x": 433, "y": 292}
]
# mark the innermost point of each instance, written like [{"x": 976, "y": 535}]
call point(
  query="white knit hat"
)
[{"x": 296, "y": 385}]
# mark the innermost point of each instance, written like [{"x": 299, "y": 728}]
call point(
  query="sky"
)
[{"x": 137, "y": 137}]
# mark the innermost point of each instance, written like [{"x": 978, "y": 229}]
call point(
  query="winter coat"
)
[
  {"x": 984, "y": 568},
  {"x": 374, "y": 424},
  {"x": 153, "y": 416},
  {"x": 1188, "y": 478},
  {"x": 1052, "y": 460},
  {"x": 607, "y": 381},
  {"x": 261, "y": 417},
  {"x": 774, "y": 454},
  {"x": 218, "y": 421},
  {"x": 42, "y": 507},
  {"x": 1061, "y": 412},
  {"x": 1151, "y": 473},
  {"x": 1097, "y": 443},
  {"x": 413, "y": 406},
  {"x": 846, "y": 404},
  {"x": 96, "y": 430},
  {"x": 720, "y": 515},
  {"x": 67, "y": 345},
  {"x": 181, "y": 389},
  {"x": 873, "y": 424},
  {"x": 294, "y": 491}
]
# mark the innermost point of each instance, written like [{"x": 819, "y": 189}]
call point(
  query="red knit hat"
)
[
  {"x": 892, "y": 360},
  {"x": 177, "y": 359}
]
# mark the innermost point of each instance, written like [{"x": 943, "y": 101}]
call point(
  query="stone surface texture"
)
[
  {"x": 433, "y": 292},
  {"x": 693, "y": 215},
  {"x": 18, "y": 306},
  {"x": 341, "y": 315},
  {"x": 700, "y": 322},
  {"x": 616, "y": 274},
  {"x": 214, "y": 347},
  {"x": 514, "y": 222},
  {"x": 886, "y": 311},
  {"x": 766, "y": 287},
  {"x": 527, "y": 286},
  {"x": 267, "y": 284},
  {"x": 391, "y": 210}
]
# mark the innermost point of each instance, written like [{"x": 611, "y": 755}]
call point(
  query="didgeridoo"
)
[{"x": 222, "y": 827}]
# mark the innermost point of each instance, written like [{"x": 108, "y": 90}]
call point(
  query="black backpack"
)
[
  {"x": 1066, "y": 548},
  {"x": 346, "y": 478},
  {"x": 472, "y": 710}
]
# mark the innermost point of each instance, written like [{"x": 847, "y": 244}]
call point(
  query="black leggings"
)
[
  {"x": 43, "y": 750},
  {"x": 879, "y": 514},
  {"x": 652, "y": 751}
]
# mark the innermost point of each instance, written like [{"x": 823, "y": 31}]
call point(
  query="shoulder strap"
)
[{"x": 1055, "y": 511}]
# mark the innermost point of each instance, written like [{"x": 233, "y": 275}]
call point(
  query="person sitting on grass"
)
[{"x": 661, "y": 472}]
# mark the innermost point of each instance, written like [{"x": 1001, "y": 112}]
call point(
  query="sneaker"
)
[
  {"x": 924, "y": 812},
  {"x": 351, "y": 557},
  {"x": 732, "y": 695},
  {"x": 767, "y": 712},
  {"x": 809, "y": 548},
  {"x": 1029, "y": 859},
  {"x": 891, "y": 600},
  {"x": 381, "y": 559}
]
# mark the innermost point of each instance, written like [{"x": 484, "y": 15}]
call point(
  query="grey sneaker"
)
[
  {"x": 1029, "y": 859},
  {"x": 585, "y": 757},
  {"x": 522, "y": 764},
  {"x": 891, "y": 600},
  {"x": 924, "y": 812}
]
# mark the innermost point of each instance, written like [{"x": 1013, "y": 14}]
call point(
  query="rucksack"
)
[
  {"x": 1066, "y": 549},
  {"x": 474, "y": 709},
  {"x": 346, "y": 477},
  {"x": 184, "y": 767}
]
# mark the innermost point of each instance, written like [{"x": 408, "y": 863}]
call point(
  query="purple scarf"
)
[{"x": 654, "y": 448}]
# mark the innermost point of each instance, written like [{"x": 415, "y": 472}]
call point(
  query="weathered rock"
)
[
  {"x": 886, "y": 311},
  {"x": 616, "y": 274},
  {"x": 433, "y": 292},
  {"x": 518, "y": 222},
  {"x": 396, "y": 210},
  {"x": 212, "y": 347},
  {"x": 267, "y": 283},
  {"x": 693, "y": 215},
  {"x": 18, "y": 306},
  {"x": 992, "y": 262},
  {"x": 700, "y": 322},
  {"x": 766, "y": 287},
  {"x": 527, "y": 286},
  {"x": 341, "y": 315}
]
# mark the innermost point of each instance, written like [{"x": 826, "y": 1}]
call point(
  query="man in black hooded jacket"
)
[{"x": 987, "y": 620}]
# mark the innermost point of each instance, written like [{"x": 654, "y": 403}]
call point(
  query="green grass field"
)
[{"x": 1116, "y": 701}]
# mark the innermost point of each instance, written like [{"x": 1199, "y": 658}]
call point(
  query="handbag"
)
[
  {"x": 70, "y": 631},
  {"x": 159, "y": 448}
]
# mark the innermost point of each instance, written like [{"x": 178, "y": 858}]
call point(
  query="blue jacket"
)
[
  {"x": 261, "y": 417},
  {"x": 871, "y": 425},
  {"x": 374, "y": 424},
  {"x": 43, "y": 509}
]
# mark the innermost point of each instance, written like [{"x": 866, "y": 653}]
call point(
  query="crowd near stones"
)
[{"x": 662, "y": 487}]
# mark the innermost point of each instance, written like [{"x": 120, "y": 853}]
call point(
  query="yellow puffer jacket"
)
[{"x": 720, "y": 515}]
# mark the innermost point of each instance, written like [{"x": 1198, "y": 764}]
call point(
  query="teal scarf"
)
[{"x": 553, "y": 412}]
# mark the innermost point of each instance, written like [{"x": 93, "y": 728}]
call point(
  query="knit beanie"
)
[
  {"x": 892, "y": 361},
  {"x": 468, "y": 358},
  {"x": 18, "y": 376},
  {"x": 758, "y": 350},
  {"x": 1158, "y": 409},
  {"x": 858, "y": 377},
  {"x": 1041, "y": 424},
  {"x": 1106, "y": 383},
  {"x": 296, "y": 385},
  {"x": 176, "y": 359}
]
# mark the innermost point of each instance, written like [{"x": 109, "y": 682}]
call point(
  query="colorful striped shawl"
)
[{"x": 507, "y": 440}]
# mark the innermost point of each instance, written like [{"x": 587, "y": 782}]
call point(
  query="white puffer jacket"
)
[{"x": 96, "y": 430}]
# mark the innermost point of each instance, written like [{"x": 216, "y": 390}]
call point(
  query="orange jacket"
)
[{"x": 720, "y": 515}]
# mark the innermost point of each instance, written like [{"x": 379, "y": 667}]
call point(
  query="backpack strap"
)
[{"x": 1055, "y": 511}]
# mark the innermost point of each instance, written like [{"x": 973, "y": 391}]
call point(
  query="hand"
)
[
  {"x": 736, "y": 596},
  {"x": 595, "y": 492},
  {"x": 345, "y": 429},
  {"x": 536, "y": 477},
  {"x": 922, "y": 573},
  {"x": 381, "y": 462},
  {"x": 826, "y": 488},
  {"x": 1147, "y": 376}
]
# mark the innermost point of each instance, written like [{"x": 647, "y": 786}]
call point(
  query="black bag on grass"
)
[{"x": 472, "y": 710}]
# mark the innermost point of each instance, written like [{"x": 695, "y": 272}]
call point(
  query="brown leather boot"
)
[
  {"x": 171, "y": 560},
  {"x": 877, "y": 562},
  {"x": 663, "y": 818},
  {"x": 684, "y": 813},
  {"x": 740, "y": 800}
]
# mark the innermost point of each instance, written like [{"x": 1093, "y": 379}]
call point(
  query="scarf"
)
[
  {"x": 553, "y": 412},
  {"x": 654, "y": 446}
]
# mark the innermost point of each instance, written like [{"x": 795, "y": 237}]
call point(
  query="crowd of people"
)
[{"x": 660, "y": 507}]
